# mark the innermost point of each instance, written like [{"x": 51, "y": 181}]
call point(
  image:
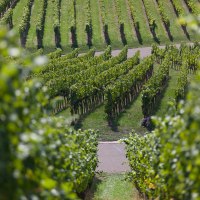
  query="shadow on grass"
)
[
  {"x": 123, "y": 36},
  {"x": 137, "y": 30},
  {"x": 114, "y": 123},
  {"x": 167, "y": 28},
  {"x": 78, "y": 124},
  {"x": 156, "y": 39},
  {"x": 158, "y": 103},
  {"x": 182, "y": 26},
  {"x": 106, "y": 35},
  {"x": 89, "y": 194}
]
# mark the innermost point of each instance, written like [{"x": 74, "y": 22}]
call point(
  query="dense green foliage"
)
[
  {"x": 151, "y": 19},
  {"x": 7, "y": 18},
  {"x": 154, "y": 87},
  {"x": 165, "y": 163},
  {"x": 181, "y": 85},
  {"x": 122, "y": 92},
  {"x": 41, "y": 157}
]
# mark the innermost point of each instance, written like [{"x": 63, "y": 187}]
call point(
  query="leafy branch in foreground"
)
[{"x": 41, "y": 157}]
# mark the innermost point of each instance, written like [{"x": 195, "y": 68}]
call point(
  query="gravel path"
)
[
  {"x": 144, "y": 51},
  {"x": 112, "y": 157}
]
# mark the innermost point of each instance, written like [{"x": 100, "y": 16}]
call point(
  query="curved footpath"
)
[{"x": 144, "y": 51}]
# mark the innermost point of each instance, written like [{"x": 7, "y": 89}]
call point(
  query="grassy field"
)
[
  {"x": 98, "y": 39},
  {"x": 112, "y": 187}
]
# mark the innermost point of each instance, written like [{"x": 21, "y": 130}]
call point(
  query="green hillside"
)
[{"x": 85, "y": 23}]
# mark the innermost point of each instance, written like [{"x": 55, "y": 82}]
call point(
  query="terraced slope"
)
[{"x": 114, "y": 22}]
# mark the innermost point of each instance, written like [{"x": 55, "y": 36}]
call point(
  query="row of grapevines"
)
[
  {"x": 57, "y": 80},
  {"x": 133, "y": 13},
  {"x": 120, "y": 93},
  {"x": 105, "y": 66},
  {"x": 182, "y": 83},
  {"x": 165, "y": 163},
  {"x": 53, "y": 58},
  {"x": 71, "y": 55},
  {"x": 104, "y": 21},
  {"x": 88, "y": 26},
  {"x": 193, "y": 6},
  {"x": 187, "y": 55},
  {"x": 103, "y": 12},
  {"x": 177, "y": 56},
  {"x": 39, "y": 52},
  {"x": 61, "y": 86},
  {"x": 88, "y": 13},
  {"x": 4, "y": 6},
  {"x": 55, "y": 54},
  {"x": 7, "y": 18},
  {"x": 66, "y": 63},
  {"x": 190, "y": 56},
  {"x": 173, "y": 55},
  {"x": 63, "y": 61},
  {"x": 41, "y": 158},
  {"x": 119, "y": 12},
  {"x": 163, "y": 13},
  {"x": 58, "y": 104},
  {"x": 178, "y": 7},
  {"x": 25, "y": 22},
  {"x": 40, "y": 23},
  {"x": 69, "y": 68},
  {"x": 158, "y": 53},
  {"x": 151, "y": 19},
  {"x": 72, "y": 13},
  {"x": 88, "y": 55},
  {"x": 154, "y": 87},
  {"x": 56, "y": 21},
  {"x": 88, "y": 94}
]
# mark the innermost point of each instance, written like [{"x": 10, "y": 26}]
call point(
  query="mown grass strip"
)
[
  {"x": 168, "y": 95},
  {"x": 193, "y": 36},
  {"x": 113, "y": 28},
  {"x": 31, "y": 42},
  {"x": 152, "y": 8},
  {"x": 98, "y": 38},
  {"x": 49, "y": 37},
  {"x": 112, "y": 187},
  {"x": 142, "y": 22},
  {"x": 128, "y": 28},
  {"x": 18, "y": 13},
  {"x": 65, "y": 25},
  {"x": 81, "y": 21},
  {"x": 175, "y": 28}
]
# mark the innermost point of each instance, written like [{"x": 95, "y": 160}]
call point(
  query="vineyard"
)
[
  {"x": 84, "y": 23},
  {"x": 67, "y": 97},
  {"x": 39, "y": 139},
  {"x": 80, "y": 86}
]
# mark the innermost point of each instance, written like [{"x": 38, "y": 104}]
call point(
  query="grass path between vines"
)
[{"x": 112, "y": 187}]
